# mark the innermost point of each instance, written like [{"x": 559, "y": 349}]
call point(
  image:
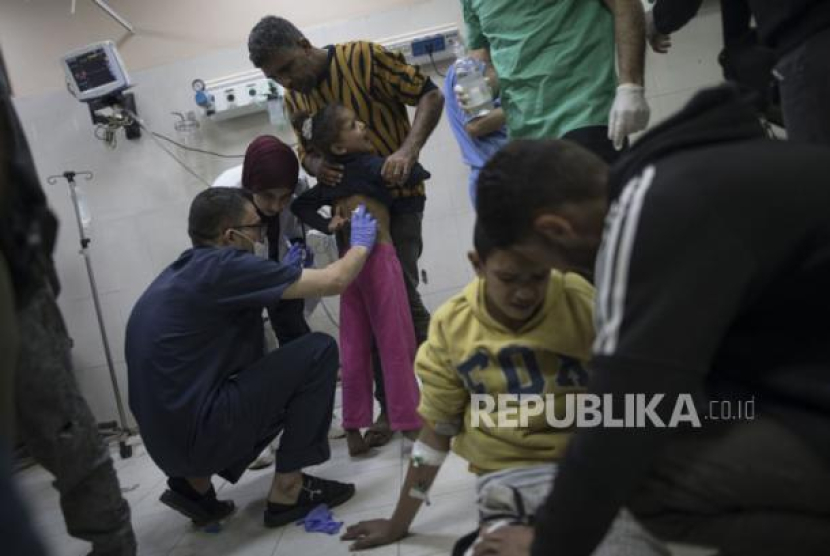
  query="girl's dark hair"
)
[{"x": 325, "y": 127}]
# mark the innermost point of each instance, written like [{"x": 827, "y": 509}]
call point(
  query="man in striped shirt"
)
[{"x": 378, "y": 86}]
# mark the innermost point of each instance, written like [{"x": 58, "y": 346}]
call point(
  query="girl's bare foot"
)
[
  {"x": 357, "y": 445},
  {"x": 379, "y": 434}
]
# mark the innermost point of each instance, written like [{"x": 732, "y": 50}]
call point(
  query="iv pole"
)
[{"x": 124, "y": 432}]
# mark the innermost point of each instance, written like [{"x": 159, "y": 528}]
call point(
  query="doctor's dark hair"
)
[
  {"x": 528, "y": 176},
  {"x": 323, "y": 130},
  {"x": 213, "y": 211},
  {"x": 271, "y": 34}
]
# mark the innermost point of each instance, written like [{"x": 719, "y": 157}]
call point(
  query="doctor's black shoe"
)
[
  {"x": 313, "y": 492},
  {"x": 201, "y": 508}
]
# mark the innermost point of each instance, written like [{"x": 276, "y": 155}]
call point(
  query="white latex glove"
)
[{"x": 629, "y": 113}]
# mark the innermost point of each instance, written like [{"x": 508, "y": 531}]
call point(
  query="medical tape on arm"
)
[{"x": 425, "y": 455}]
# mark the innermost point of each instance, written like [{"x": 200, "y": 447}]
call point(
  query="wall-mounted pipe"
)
[{"x": 113, "y": 14}]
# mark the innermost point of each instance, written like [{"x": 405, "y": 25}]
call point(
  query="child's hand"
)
[
  {"x": 376, "y": 532},
  {"x": 336, "y": 223},
  {"x": 513, "y": 540}
]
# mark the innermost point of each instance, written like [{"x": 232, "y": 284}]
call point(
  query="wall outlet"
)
[
  {"x": 429, "y": 45},
  {"x": 416, "y": 46}
]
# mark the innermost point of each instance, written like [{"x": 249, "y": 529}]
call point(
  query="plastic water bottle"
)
[
  {"x": 83, "y": 207},
  {"x": 470, "y": 80}
]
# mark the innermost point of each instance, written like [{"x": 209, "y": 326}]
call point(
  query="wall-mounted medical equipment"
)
[
  {"x": 95, "y": 71},
  {"x": 240, "y": 94},
  {"x": 96, "y": 75}
]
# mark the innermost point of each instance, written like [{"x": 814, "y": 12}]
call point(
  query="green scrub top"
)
[{"x": 554, "y": 58}]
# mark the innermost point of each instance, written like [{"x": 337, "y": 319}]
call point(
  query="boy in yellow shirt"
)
[{"x": 519, "y": 329}]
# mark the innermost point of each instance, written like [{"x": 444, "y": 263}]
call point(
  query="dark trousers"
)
[
  {"x": 804, "y": 81},
  {"x": 595, "y": 139},
  {"x": 290, "y": 390},
  {"x": 406, "y": 230},
  {"x": 287, "y": 318},
  {"x": 15, "y": 525},
  {"x": 61, "y": 433},
  {"x": 19, "y": 538},
  {"x": 747, "y": 488}
]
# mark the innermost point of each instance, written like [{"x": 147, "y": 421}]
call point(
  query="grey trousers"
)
[
  {"x": 61, "y": 433},
  {"x": 514, "y": 495},
  {"x": 746, "y": 488}
]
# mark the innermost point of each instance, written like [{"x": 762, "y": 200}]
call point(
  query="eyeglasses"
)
[{"x": 259, "y": 227}]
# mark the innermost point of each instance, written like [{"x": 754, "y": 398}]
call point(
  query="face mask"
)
[{"x": 260, "y": 247}]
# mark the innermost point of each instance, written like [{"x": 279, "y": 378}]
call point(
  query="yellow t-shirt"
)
[{"x": 469, "y": 352}]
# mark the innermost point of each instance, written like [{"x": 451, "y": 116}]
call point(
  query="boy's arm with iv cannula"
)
[{"x": 423, "y": 467}]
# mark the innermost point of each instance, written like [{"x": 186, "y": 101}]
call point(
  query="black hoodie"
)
[{"x": 712, "y": 281}]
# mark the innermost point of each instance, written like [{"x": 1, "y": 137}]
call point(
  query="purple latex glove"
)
[
  {"x": 294, "y": 257},
  {"x": 364, "y": 228},
  {"x": 319, "y": 520},
  {"x": 308, "y": 262}
]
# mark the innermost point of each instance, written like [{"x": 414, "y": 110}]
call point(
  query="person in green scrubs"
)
[{"x": 555, "y": 64}]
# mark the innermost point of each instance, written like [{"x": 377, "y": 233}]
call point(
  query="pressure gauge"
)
[{"x": 198, "y": 85}]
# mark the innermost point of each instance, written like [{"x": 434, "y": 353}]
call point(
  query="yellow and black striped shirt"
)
[{"x": 377, "y": 85}]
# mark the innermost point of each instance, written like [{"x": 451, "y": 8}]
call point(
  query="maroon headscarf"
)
[{"x": 269, "y": 164}]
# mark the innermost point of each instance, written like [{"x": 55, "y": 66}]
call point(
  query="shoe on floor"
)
[
  {"x": 313, "y": 492},
  {"x": 201, "y": 508}
]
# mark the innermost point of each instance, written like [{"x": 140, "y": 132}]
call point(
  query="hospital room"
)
[{"x": 415, "y": 278}]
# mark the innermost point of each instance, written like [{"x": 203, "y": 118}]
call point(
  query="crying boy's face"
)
[{"x": 515, "y": 286}]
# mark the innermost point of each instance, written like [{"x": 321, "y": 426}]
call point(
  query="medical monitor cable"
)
[{"x": 165, "y": 149}]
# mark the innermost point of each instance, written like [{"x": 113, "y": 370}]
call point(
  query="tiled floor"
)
[
  {"x": 162, "y": 531},
  {"x": 378, "y": 478}
]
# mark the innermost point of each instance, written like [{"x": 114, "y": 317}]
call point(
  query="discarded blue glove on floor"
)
[{"x": 320, "y": 520}]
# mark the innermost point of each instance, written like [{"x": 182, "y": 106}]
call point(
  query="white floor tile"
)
[{"x": 439, "y": 525}]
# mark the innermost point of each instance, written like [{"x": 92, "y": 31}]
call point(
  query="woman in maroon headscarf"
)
[{"x": 270, "y": 173}]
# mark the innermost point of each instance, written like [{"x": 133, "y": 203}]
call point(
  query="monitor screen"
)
[{"x": 91, "y": 69}]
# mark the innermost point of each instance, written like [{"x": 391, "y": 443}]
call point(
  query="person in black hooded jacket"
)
[{"x": 712, "y": 251}]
